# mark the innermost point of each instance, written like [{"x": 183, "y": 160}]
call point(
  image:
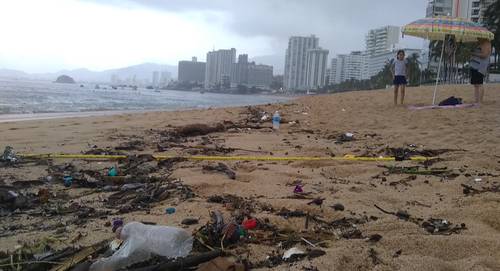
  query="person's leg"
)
[
  {"x": 476, "y": 93},
  {"x": 481, "y": 93},
  {"x": 403, "y": 87},
  {"x": 396, "y": 88}
]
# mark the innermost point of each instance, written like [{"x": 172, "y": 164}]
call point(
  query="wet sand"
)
[{"x": 470, "y": 135}]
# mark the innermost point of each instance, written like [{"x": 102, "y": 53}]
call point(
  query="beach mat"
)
[{"x": 414, "y": 107}]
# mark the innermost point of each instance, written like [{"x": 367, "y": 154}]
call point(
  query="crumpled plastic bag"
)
[{"x": 142, "y": 241}]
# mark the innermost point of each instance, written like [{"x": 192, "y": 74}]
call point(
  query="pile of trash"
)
[{"x": 9, "y": 157}]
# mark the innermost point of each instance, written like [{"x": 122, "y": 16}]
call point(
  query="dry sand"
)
[{"x": 375, "y": 123}]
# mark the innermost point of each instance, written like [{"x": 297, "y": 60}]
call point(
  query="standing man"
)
[{"x": 479, "y": 67}]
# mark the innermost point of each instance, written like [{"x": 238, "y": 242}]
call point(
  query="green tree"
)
[
  {"x": 492, "y": 22},
  {"x": 414, "y": 72}
]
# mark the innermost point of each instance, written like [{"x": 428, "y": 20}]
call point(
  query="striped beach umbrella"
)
[
  {"x": 443, "y": 28},
  {"x": 438, "y": 28}
]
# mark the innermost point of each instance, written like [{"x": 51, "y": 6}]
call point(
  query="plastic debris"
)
[
  {"x": 141, "y": 242},
  {"x": 291, "y": 252},
  {"x": 298, "y": 189},
  {"x": 9, "y": 156},
  {"x": 276, "y": 120},
  {"x": 68, "y": 181},
  {"x": 250, "y": 224},
  {"x": 112, "y": 172},
  {"x": 170, "y": 210}
]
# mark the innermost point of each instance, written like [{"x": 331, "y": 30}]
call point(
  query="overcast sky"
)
[{"x": 49, "y": 35}]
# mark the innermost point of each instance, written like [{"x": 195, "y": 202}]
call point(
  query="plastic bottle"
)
[
  {"x": 142, "y": 241},
  {"x": 276, "y": 120},
  {"x": 112, "y": 172},
  {"x": 68, "y": 180}
]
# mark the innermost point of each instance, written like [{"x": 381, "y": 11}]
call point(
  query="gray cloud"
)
[{"x": 341, "y": 25}]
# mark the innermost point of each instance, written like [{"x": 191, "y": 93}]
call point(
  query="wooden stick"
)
[{"x": 384, "y": 211}]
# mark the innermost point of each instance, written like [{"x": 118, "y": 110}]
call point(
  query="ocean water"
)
[{"x": 39, "y": 97}]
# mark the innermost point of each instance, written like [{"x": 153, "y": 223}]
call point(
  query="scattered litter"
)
[
  {"x": 298, "y": 189},
  {"x": 9, "y": 156},
  {"x": 292, "y": 252},
  {"x": 112, "y": 172},
  {"x": 346, "y": 137},
  {"x": 442, "y": 226},
  {"x": 68, "y": 181},
  {"x": 250, "y": 224},
  {"x": 141, "y": 242},
  {"x": 170, "y": 210}
]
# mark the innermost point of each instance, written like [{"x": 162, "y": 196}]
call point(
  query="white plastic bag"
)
[{"x": 142, "y": 241}]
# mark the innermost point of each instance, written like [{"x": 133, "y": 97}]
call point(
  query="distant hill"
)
[
  {"x": 64, "y": 79},
  {"x": 7, "y": 73},
  {"x": 142, "y": 72}
]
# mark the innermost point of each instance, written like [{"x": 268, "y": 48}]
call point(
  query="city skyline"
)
[{"x": 80, "y": 34}]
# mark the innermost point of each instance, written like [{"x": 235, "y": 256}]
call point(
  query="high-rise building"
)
[
  {"x": 382, "y": 39},
  {"x": 156, "y": 78},
  {"x": 471, "y": 9},
  {"x": 191, "y": 71},
  {"x": 296, "y": 61},
  {"x": 260, "y": 75},
  {"x": 439, "y": 8},
  {"x": 316, "y": 66},
  {"x": 239, "y": 73},
  {"x": 164, "y": 77},
  {"x": 353, "y": 66},
  {"x": 218, "y": 67},
  {"x": 334, "y": 73}
]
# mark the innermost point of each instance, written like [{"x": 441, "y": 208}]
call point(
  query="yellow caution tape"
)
[{"x": 224, "y": 158}]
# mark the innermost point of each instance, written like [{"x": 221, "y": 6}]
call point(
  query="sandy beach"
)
[{"x": 464, "y": 142}]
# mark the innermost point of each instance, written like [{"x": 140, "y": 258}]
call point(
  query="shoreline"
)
[{"x": 6, "y": 118}]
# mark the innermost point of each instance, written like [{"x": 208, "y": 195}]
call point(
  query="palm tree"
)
[
  {"x": 414, "y": 69},
  {"x": 492, "y": 22}
]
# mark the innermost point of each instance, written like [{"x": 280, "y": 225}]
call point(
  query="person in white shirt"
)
[{"x": 399, "y": 70}]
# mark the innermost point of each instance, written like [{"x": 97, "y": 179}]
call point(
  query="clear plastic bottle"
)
[
  {"x": 142, "y": 241},
  {"x": 276, "y": 120}
]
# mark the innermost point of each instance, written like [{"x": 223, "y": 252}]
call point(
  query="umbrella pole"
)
[{"x": 438, "y": 74}]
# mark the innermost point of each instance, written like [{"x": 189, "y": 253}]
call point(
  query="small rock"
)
[{"x": 338, "y": 207}]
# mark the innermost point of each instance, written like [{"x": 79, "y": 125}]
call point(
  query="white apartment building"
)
[
  {"x": 353, "y": 66},
  {"x": 317, "y": 64},
  {"x": 382, "y": 39},
  {"x": 334, "y": 72},
  {"x": 156, "y": 79},
  {"x": 218, "y": 67},
  {"x": 439, "y": 8},
  {"x": 471, "y": 9},
  {"x": 295, "y": 76}
]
